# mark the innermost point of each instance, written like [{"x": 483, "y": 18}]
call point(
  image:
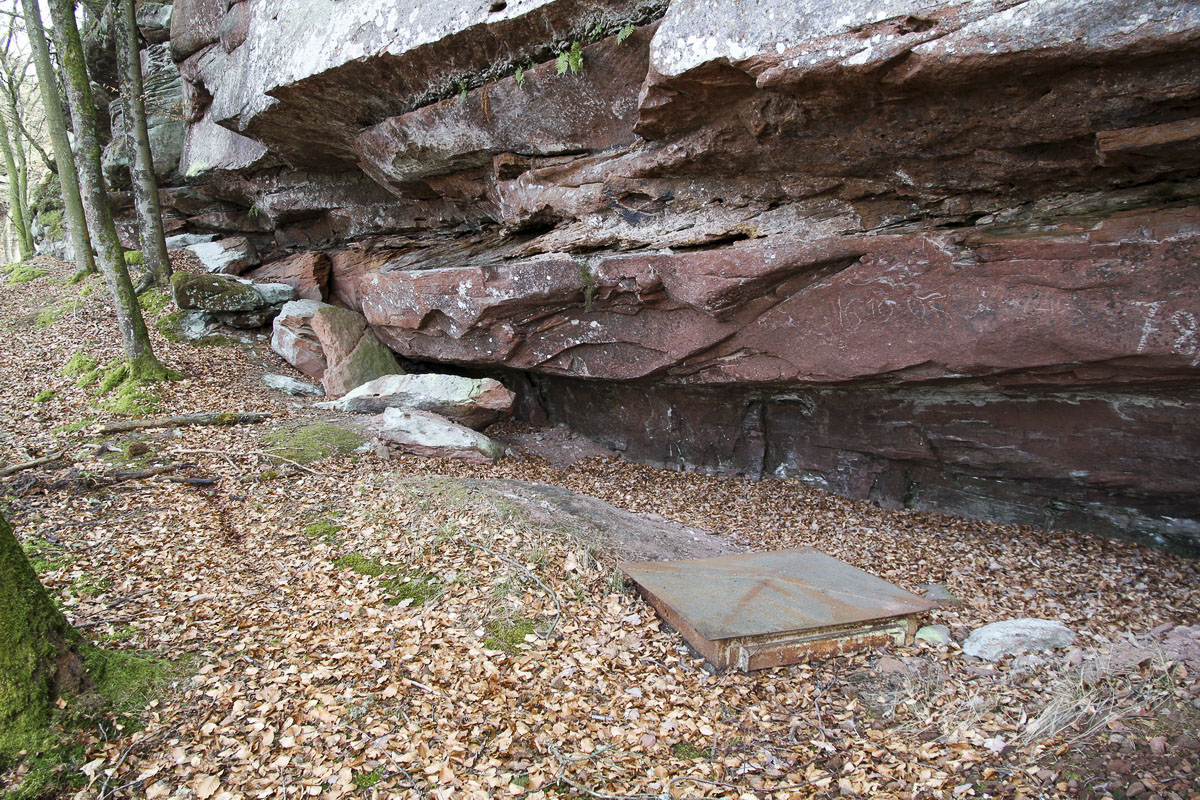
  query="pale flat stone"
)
[
  {"x": 998, "y": 639},
  {"x": 424, "y": 434},
  {"x": 292, "y": 386}
]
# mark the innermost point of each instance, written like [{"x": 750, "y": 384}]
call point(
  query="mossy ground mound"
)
[
  {"x": 22, "y": 272},
  {"x": 311, "y": 442}
]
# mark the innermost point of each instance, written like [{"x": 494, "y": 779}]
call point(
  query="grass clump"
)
[
  {"x": 507, "y": 634},
  {"x": 312, "y": 442},
  {"x": 22, "y": 273}
]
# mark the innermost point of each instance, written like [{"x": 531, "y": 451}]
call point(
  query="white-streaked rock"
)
[
  {"x": 424, "y": 434},
  {"x": 474, "y": 402}
]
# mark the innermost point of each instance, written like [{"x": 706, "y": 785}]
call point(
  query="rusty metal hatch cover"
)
[{"x": 758, "y": 610}]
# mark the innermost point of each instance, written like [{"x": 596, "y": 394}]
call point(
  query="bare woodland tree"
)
[
  {"x": 56, "y": 125},
  {"x": 139, "y": 354},
  {"x": 141, "y": 162}
]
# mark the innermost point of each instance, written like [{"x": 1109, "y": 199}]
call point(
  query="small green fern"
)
[
  {"x": 570, "y": 60},
  {"x": 519, "y": 76},
  {"x": 625, "y": 33}
]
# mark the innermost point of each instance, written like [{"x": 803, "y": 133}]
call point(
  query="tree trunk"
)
[
  {"x": 40, "y": 653},
  {"x": 56, "y": 124},
  {"x": 143, "y": 366},
  {"x": 16, "y": 206},
  {"x": 141, "y": 163}
]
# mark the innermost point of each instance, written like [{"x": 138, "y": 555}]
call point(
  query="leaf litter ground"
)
[{"x": 358, "y": 626}]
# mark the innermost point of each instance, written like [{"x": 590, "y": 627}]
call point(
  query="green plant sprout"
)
[{"x": 570, "y": 60}]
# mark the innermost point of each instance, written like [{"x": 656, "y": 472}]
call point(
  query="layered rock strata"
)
[{"x": 939, "y": 254}]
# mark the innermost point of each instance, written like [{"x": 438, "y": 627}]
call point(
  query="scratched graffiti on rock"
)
[{"x": 1176, "y": 331}]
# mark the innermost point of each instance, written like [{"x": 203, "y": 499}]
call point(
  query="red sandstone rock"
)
[
  {"x": 308, "y": 273},
  {"x": 939, "y": 254},
  {"x": 909, "y": 308},
  {"x": 294, "y": 339},
  {"x": 352, "y": 353}
]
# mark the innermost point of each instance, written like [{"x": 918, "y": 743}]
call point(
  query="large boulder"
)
[
  {"x": 154, "y": 21},
  {"x": 307, "y": 273},
  {"x": 224, "y": 293},
  {"x": 422, "y": 433},
  {"x": 353, "y": 354},
  {"x": 998, "y": 639},
  {"x": 230, "y": 256},
  {"x": 474, "y": 402},
  {"x": 294, "y": 339},
  {"x": 333, "y": 345}
]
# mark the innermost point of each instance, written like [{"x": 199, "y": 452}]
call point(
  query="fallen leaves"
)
[{"x": 532, "y": 671}]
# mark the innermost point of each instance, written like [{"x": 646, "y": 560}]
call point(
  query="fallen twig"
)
[
  {"x": 37, "y": 462},
  {"x": 121, "y": 475},
  {"x": 553, "y": 596},
  {"x": 192, "y": 481},
  {"x": 223, "y": 418}
]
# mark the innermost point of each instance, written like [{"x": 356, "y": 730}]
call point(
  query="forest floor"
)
[{"x": 356, "y": 627}]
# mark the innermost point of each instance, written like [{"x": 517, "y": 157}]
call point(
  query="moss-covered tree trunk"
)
[
  {"x": 143, "y": 365},
  {"x": 141, "y": 162},
  {"x": 40, "y": 653},
  {"x": 56, "y": 126}
]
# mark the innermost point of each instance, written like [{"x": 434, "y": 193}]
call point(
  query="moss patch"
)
[
  {"x": 365, "y": 780},
  {"x": 124, "y": 391},
  {"x": 49, "y": 315},
  {"x": 360, "y": 564},
  {"x": 324, "y": 529},
  {"x": 45, "y": 557},
  {"x": 44, "y": 395},
  {"x": 134, "y": 258},
  {"x": 688, "y": 750},
  {"x": 154, "y": 301},
  {"x": 418, "y": 589},
  {"x": 22, "y": 272},
  {"x": 312, "y": 442},
  {"x": 52, "y": 221}
]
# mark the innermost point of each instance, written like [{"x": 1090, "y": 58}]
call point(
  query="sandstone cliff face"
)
[{"x": 937, "y": 254}]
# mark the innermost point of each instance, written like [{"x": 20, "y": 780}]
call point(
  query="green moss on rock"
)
[{"x": 312, "y": 442}]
